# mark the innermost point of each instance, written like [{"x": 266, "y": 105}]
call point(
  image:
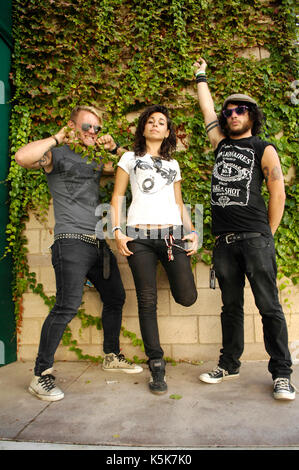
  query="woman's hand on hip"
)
[
  {"x": 121, "y": 242},
  {"x": 193, "y": 238}
]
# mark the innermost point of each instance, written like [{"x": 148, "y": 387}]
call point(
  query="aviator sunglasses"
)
[
  {"x": 241, "y": 109},
  {"x": 85, "y": 127}
]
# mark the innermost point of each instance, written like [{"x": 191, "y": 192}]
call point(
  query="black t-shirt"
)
[{"x": 236, "y": 200}]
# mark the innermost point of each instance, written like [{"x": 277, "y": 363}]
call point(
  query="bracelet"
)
[
  {"x": 201, "y": 78},
  {"x": 116, "y": 228},
  {"x": 114, "y": 151},
  {"x": 195, "y": 231},
  {"x": 200, "y": 72},
  {"x": 56, "y": 140}
]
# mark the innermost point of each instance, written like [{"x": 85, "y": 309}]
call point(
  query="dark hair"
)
[
  {"x": 168, "y": 145},
  {"x": 255, "y": 115}
]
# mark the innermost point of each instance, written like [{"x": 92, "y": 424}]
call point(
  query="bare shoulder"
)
[{"x": 270, "y": 163}]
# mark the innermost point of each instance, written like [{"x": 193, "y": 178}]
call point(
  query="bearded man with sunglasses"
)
[
  {"x": 244, "y": 230},
  {"x": 77, "y": 252}
]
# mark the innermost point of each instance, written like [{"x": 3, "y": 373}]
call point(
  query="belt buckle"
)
[{"x": 230, "y": 238}]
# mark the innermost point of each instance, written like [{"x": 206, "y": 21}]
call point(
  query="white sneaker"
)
[
  {"x": 118, "y": 362},
  {"x": 44, "y": 388}
]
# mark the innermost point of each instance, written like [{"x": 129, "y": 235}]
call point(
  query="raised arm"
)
[
  {"x": 275, "y": 184},
  {"x": 38, "y": 154},
  {"x": 206, "y": 104}
]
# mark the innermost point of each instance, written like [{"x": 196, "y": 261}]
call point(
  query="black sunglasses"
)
[
  {"x": 241, "y": 109},
  {"x": 85, "y": 127}
]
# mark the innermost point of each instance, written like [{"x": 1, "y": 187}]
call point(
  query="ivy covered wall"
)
[{"x": 125, "y": 54}]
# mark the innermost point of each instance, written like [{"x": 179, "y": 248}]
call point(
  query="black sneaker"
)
[
  {"x": 218, "y": 375},
  {"x": 283, "y": 389},
  {"x": 157, "y": 383}
]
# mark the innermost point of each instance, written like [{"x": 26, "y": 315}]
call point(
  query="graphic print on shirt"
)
[
  {"x": 232, "y": 175},
  {"x": 81, "y": 182},
  {"x": 152, "y": 177}
]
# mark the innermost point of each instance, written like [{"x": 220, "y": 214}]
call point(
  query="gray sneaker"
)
[
  {"x": 44, "y": 388},
  {"x": 118, "y": 362},
  {"x": 283, "y": 389},
  {"x": 218, "y": 375}
]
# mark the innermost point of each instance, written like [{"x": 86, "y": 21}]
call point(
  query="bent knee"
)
[{"x": 186, "y": 300}]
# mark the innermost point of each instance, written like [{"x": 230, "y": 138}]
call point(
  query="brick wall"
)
[{"x": 186, "y": 333}]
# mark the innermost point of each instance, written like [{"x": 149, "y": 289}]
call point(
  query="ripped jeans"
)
[
  {"x": 254, "y": 258},
  {"x": 143, "y": 264}
]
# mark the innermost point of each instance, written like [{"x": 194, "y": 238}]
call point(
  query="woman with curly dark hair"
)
[
  {"x": 154, "y": 228},
  {"x": 168, "y": 145}
]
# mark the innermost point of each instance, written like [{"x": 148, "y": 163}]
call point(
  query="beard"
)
[{"x": 235, "y": 132}]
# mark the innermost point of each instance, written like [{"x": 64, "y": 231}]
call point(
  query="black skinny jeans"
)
[
  {"x": 74, "y": 261},
  {"x": 254, "y": 258},
  {"x": 143, "y": 264}
]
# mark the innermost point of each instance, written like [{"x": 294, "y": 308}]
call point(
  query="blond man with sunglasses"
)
[
  {"x": 244, "y": 228},
  {"x": 78, "y": 251}
]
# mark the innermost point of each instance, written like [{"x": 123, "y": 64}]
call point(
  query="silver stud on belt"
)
[{"x": 78, "y": 236}]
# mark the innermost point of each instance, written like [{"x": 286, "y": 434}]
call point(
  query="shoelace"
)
[
  {"x": 122, "y": 358},
  {"x": 47, "y": 382},
  {"x": 282, "y": 383},
  {"x": 217, "y": 371},
  {"x": 158, "y": 375}
]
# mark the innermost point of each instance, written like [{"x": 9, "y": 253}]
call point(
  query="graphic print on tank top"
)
[
  {"x": 152, "y": 176},
  {"x": 232, "y": 175}
]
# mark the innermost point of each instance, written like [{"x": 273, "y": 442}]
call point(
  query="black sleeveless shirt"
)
[{"x": 236, "y": 200}]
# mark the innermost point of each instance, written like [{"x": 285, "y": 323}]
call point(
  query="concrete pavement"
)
[{"x": 113, "y": 410}]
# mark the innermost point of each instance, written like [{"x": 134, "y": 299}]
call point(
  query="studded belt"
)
[
  {"x": 78, "y": 236},
  {"x": 93, "y": 240}
]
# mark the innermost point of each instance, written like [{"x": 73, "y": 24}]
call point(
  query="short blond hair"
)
[{"x": 90, "y": 109}]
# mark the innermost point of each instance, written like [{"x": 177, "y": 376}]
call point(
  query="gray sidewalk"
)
[{"x": 114, "y": 410}]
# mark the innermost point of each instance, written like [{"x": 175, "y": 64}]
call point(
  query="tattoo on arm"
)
[
  {"x": 275, "y": 173},
  {"x": 44, "y": 161},
  {"x": 266, "y": 173},
  {"x": 212, "y": 125}
]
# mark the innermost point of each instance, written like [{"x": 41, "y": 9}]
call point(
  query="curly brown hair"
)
[
  {"x": 168, "y": 145},
  {"x": 255, "y": 115}
]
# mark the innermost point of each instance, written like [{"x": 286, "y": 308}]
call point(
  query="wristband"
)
[
  {"x": 201, "y": 78},
  {"x": 116, "y": 228},
  {"x": 194, "y": 231},
  {"x": 114, "y": 151},
  {"x": 200, "y": 72},
  {"x": 56, "y": 140}
]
